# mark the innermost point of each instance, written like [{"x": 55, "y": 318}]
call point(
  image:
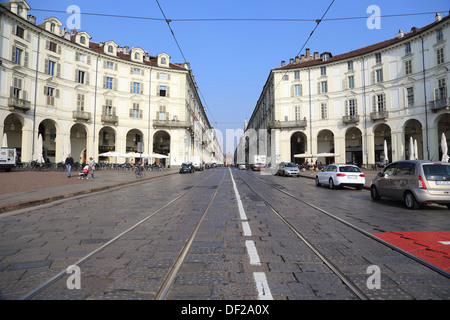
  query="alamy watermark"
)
[
  {"x": 74, "y": 280},
  {"x": 74, "y": 20},
  {"x": 374, "y": 21},
  {"x": 374, "y": 280}
]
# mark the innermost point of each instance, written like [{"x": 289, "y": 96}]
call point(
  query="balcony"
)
[
  {"x": 443, "y": 103},
  {"x": 288, "y": 124},
  {"x": 174, "y": 124},
  {"x": 379, "y": 115},
  {"x": 19, "y": 104},
  {"x": 81, "y": 115},
  {"x": 110, "y": 119},
  {"x": 354, "y": 118}
]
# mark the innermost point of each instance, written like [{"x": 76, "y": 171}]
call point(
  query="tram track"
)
[
  {"x": 172, "y": 272},
  {"x": 345, "y": 279}
]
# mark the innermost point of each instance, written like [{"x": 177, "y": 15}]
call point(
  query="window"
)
[
  {"x": 16, "y": 88},
  {"x": 51, "y": 93},
  {"x": 440, "y": 55},
  {"x": 410, "y": 96},
  {"x": 163, "y": 76},
  {"x": 407, "y": 48},
  {"x": 51, "y": 68},
  {"x": 109, "y": 65},
  {"x": 351, "y": 82},
  {"x": 297, "y": 90},
  {"x": 442, "y": 89},
  {"x": 350, "y": 65},
  {"x": 81, "y": 75},
  {"x": 163, "y": 61},
  {"x": 297, "y": 75},
  {"x": 52, "y": 46},
  {"x": 285, "y": 77},
  {"x": 380, "y": 103},
  {"x": 378, "y": 58},
  {"x": 162, "y": 91},
  {"x": 137, "y": 56},
  {"x": 136, "y": 71},
  {"x": 405, "y": 169},
  {"x": 408, "y": 66},
  {"x": 108, "y": 83},
  {"x": 162, "y": 115},
  {"x": 351, "y": 107},
  {"x": 20, "y": 32},
  {"x": 134, "y": 112},
  {"x": 136, "y": 87},
  {"x": 323, "y": 71},
  {"x": 324, "y": 111},
  {"x": 108, "y": 111},
  {"x": 18, "y": 55},
  {"x": 323, "y": 87},
  {"x": 80, "y": 102},
  {"x": 439, "y": 35},
  {"x": 379, "y": 74},
  {"x": 110, "y": 49},
  {"x": 297, "y": 113},
  {"x": 81, "y": 57}
]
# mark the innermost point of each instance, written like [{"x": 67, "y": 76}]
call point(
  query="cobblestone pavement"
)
[{"x": 231, "y": 257}]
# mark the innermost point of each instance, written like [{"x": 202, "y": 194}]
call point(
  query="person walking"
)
[
  {"x": 69, "y": 164},
  {"x": 92, "y": 166}
]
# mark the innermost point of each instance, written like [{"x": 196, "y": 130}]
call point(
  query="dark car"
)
[{"x": 187, "y": 168}]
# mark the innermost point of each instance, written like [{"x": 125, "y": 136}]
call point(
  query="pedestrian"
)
[
  {"x": 92, "y": 166},
  {"x": 69, "y": 164}
]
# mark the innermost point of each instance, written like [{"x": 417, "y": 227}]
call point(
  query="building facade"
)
[
  {"x": 88, "y": 98},
  {"x": 348, "y": 105}
]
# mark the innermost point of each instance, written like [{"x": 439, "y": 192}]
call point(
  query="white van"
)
[
  {"x": 8, "y": 158},
  {"x": 197, "y": 162}
]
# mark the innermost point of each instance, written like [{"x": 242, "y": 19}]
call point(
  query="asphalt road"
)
[{"x": 125, "y": 240}]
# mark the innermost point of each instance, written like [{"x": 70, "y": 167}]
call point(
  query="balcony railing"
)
[
  {"x": 172, "y": 124},
  {"x": 288, "y": 124},
  {"x": 21, "y": 104},
  {"x": 354, "y": 118},
  {"x": 109, "y": 118},
  {"x": 443, "y": 103},
  {"x": 81, "y": 115},
  {"x": 379, "y": 115}
]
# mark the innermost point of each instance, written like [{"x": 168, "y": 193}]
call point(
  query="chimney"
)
[
  {"x": 438, "y": 17},
  {"x": 316, "y": 55},
  {"x": 307, "y": 53},
  {"x": 400, "y": 33},
  {"x": 297, "y": 59},
  {"x": 291, "y": 61},
  {"x": 283, "y": 63},
  {"x": 32, "y": 19}
]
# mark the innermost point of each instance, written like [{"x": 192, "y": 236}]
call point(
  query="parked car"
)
[
  {"x": 187, "y": 168},
  {"x": 415, "y": 182},
  {"x": 288, "y": 169},
  {"x": 339, "y": 175},
  {"x": 241, "y": 167}
]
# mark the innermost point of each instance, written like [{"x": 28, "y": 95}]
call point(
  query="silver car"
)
[
  {"x": 288, "y": 169},
  {"x": 415, "y": 182}
]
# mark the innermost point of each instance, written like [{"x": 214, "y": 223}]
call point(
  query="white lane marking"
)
[
  {"x": 238, "y": 198},
  {"x": 247, "y": 230},
  {"x": 252, "y": 253},
  {"x": 262, "y": 286},
  {"x": 445, "y": 242}
]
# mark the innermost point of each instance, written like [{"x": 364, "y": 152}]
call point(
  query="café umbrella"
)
[{"x": 444, "y": 148}]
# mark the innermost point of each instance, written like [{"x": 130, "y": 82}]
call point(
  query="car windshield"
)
[
  {"x": 436, "y": 172},
  {"x": 291, "y": 165},
  {"x": 349, "y": 169}
]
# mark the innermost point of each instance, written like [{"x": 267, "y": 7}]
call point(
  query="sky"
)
[{"x": 233, "y": 45}]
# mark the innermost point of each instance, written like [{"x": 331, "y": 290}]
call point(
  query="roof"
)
[{"x": 365, "y": 50}]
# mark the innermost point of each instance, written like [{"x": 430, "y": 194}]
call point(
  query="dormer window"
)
[
  {"x": 19, "y": 10},
  {"x": 137, "y": 56},
  {"x": 52, "y": 27},
  {"x": 83, "y": 40},
  {"x": 110, "y": 49},
  {"x": 163, "y": 61}
]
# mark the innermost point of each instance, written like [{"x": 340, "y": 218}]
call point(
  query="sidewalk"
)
[{"x": 23, "y": 189}]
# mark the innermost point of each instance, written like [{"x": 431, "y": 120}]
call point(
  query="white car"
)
[{"x": 339, "y": 175}]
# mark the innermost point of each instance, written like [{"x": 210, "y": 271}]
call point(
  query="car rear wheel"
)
[
  {"x": 410, "y": 201},
  {"x": 331, "y": 184},
  {"x": 374, "y": 193}
]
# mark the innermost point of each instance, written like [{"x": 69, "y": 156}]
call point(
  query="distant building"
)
[
  {"x": 94, "y": 97},
  {"x": 349, "y": 104}
]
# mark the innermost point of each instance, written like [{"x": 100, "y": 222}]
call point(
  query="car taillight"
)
[
  {"x": 340, "y": 175},
  {"x": 362, "y": 175},
  {"x": 422, "y": 183}
]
